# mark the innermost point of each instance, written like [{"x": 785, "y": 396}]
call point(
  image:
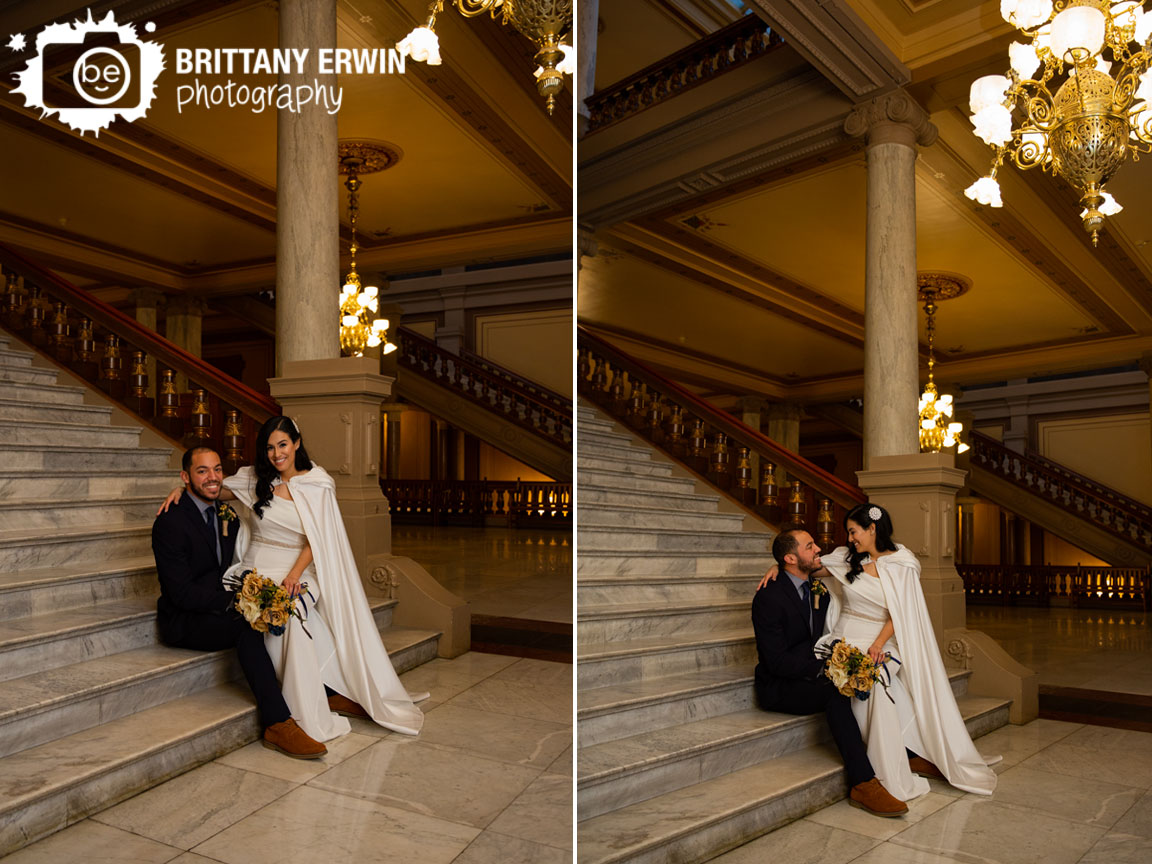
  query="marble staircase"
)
[
  {"x": 93, "y": 709},
  {"x": 675, "y": 761}
]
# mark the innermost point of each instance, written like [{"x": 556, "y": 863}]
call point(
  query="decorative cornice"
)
[{"x": 892, "y": 118}]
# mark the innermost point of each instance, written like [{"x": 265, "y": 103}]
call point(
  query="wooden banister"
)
[{"x": 560, "y": 403}]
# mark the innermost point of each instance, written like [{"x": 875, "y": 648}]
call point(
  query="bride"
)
[
  {"x": 292, "y": 532},
  {"x": 880, "y": 609}
]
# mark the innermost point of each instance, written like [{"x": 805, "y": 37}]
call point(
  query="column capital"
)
[
  {"x": 751, "y": 404},
  {"x": 586, "y": 240},
  {"x": 785, "y": 411},
  {"x": 894, "y": 117},
  {"x": 185, "y": 304},
  {"x": 1146, "y": 364},
  {"x": 151, "y": 297}
]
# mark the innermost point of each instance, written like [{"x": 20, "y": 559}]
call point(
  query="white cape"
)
[
  {"x": 942, "y": 732},
  {"x": 365, "y": 674}
]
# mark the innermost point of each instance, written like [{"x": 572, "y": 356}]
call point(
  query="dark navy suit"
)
[
  {"x": 195, "y": 611},
  {"x": 790, "y": 678}
]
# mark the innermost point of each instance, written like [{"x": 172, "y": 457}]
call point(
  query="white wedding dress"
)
[
  {"x": 923, "y": 715},
  {"x": 344, "y": 651}
]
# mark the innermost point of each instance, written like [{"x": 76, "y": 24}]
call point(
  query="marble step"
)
[
  {"x": 609, "y": 435},
  {"x": 30, "y": 549},
  {"x": 91, "y": 483},
  {"x": 625, "y": 466},
  {"x": 40, "y": 642},
  {"x": 663, "y": 588},
  {"x": 613, "y": 623},
  {"x": 612, "y": 496},
  {"x": 703, "y": 818},
  {"x": 49, "y": 705},
  {"x": 12, "y": 358},
  {"x": 79, "y": 458},
  {"x": 592, "y": 423},
  {"x": 622, "y": 452},
  {"x": 46, "y": 788},
  {"x": 608, "y": 663},
  {"x": 597, "y": 563},
  {"x": 126, "y": 510},
  {"x": 27, "y": 375},
  {"x": 619, "y": 711},
  {"x": 56, "y": 394},
  {"x": 638, "y": 483},
  {"x": 627, "y": 539},
  {"x": 47, "y": 590},
  {"x": 23, "y": 409},
  {"x": 652, "y": 515},
  {"x": 77, "y": 434}
]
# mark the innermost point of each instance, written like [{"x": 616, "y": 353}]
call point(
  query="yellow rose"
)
[
  {"x": 251, "y": 588},
  {"x": 277, "y": 616}
]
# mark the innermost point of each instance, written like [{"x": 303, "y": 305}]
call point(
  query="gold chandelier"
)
[
  {"x": 1076, "y": 101},
  {"x": 938, "y": 430},
  {"x": 359, "y": 326},
  {"x": 545, "y": 22}
]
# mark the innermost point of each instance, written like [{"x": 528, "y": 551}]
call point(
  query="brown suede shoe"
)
[
  {"x": 874, "y": 798},
  {"x": 345, "y": 707},
  {"x": 924, "y": 768},
  {"x": 291, "y": 740}
]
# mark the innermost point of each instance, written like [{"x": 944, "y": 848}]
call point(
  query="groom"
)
[
  {"x": 192, "y": 551},
  {"x": 790, "y": 678}
]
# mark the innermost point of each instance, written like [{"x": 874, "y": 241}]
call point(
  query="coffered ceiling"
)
[
  {"x": 738, "y": 268},
  {"x": 185, "y": 200}
]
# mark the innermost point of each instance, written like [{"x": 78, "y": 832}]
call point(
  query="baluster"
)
[
  {"x": 34, "y": 319},
  {"x": 655, "y": 417},
  {"x": 169, "y": 420},
  {"x": 85, "y": 362},
  {"x": 112, "y": 368},
  {"x": 674, "y": 429},
  {"x": 698, "y": 441},
  {"x": 233, "y": 441},
  {"x": 200, "y": 431},
  {"x": 599, "y": 378},
  {"x": 743, "y": 469},
  {"x": 635, "y": 416},
  {"x": 583, "y": 364},
  {"x": 617, "y": 394},
  {"x": 797, "y": 505},
  {"x": 825, "y": 526},
  {"x": 59, "y": 341},
  {"x": 720, "y": 460},
  {"x": 15, "y": 299},
  {"x": 137, "y": 398}
]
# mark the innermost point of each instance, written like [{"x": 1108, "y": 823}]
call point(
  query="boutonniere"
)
[
  {"x": 226, "y": 514},
  {"x": 819, "y": 589}
]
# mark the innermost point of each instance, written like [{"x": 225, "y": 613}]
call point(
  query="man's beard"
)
[
  {"x": 202, "y": 493},
  {"x": 808, "y": 568}
]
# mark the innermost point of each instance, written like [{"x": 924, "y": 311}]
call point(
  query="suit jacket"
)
[
  {"x": 783, "y": 641},
  {"x": 185, "y": 551}
]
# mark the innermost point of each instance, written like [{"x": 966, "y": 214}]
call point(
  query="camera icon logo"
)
[{"x": 91, "y": 72}]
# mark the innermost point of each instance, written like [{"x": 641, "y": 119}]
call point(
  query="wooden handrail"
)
[
  {"x": 824, "y": 483},
  {"x": 728, "y": 48},
  {"x": 560, "y": 403},
  {"x": 1119, "y": 499},
  {"x": 228, "y": 389}
]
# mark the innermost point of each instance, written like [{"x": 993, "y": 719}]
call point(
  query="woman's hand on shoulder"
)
[
  {"x": 770, "y": 576},
  {"x": 173, "y": 498}
]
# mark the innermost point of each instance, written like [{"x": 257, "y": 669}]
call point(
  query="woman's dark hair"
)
[
  {"x": 265, "y": 471},
  {"x": 862, "y": 514}
]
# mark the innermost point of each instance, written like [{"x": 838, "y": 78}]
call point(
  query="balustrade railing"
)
[
  {"x": 726, "y": 49},
  {"x": 1103, "y": 507},
  {"x": 475, "y": 502},
  {"x": 561, "y": 403},
  {"x": 105, "y": 347},
  {"x": 478, "y": 383},
  {"x": 789, "y": 491},
  {"x": 1040, "y": 585}
]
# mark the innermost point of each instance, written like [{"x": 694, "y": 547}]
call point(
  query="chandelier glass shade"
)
[
  {"x": 547, "y": 23},
  {"x": 359, "y": 326},
  {"x": 1076, "y": 101},
  {"x": 938, "y": 431}
]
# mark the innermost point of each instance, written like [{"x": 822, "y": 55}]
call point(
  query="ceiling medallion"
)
[
  {"x": 367, "y": 157},
  {"x": 940, "y": 286}
]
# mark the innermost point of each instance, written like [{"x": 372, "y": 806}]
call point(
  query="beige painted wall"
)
[
  {"x": 537, "y": 345},
  {"x": 1062, "y": 553},
  {"x": 1114, "y": 449},
  {"x": 495, "y": 465},
  {"x": 415, "y": 445}
]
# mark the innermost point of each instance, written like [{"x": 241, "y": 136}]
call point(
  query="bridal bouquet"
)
[
  {"x": 265, "y": 605},
  {"x": 851, "y": 670}
]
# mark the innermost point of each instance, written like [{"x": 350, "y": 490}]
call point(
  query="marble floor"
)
[
  {"x": 1096, "y": 649},
  {"x": 502, "y": 572},
  {"x": 488, "y": 781},
  {"x": 1067, "y": 794}
]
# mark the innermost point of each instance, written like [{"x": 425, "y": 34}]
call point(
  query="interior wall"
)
[
  {"x": 985, "y": 533},
  {"x": 496, "y": 465},
  {"x": 415, "y": 445},
  {"x": 536, "y": 344},
  {"x": 1113, "y": 449},
  {"x": 842, "y": 459}
]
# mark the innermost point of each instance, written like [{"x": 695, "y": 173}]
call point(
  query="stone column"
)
[
  {"x": 750, "y": 413},
  {"x": 147, "y": 301},
  {"x": 784, "y": 424},
  {"x": 894, "y": 124},
  {"x": 919, "y": 491},
  {"x": 307, "y": 239},
  {"x": 965, "y": 547},
  {"x": 587, "y": 26},
  {"x": 392, "y": 412},
  {"x": 183, "y": 327},
  {"x": 586, "y": 245}
]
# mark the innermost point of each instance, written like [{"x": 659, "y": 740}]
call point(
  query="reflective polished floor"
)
[
  {"x": 1067, "y": 794},
  {"x": 488, "y": 781},
  {"x": 1095, "y": 649},
  {"x": 502, "y": 572}
]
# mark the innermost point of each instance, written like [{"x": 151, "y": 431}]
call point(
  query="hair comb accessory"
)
[{"x": 874, "y": 513}]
